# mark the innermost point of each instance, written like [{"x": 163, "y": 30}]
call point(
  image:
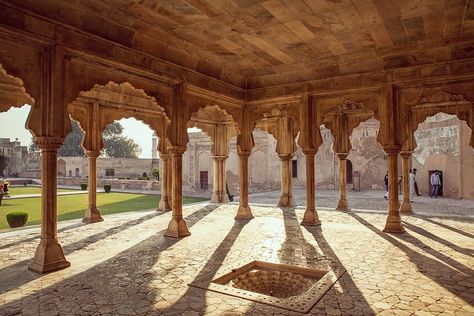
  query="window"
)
[{"x": 110, "y": 172}]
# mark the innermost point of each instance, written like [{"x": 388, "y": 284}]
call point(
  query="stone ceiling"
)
[{"x": 253, "y": 43}]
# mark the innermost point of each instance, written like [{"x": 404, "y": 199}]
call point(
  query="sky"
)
[{"x": 12, "y": 125}]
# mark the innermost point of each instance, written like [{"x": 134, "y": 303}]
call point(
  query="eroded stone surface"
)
[{"x": 125, "y": 266}]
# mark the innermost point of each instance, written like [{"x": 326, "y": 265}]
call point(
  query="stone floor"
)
[{"x": 125, "y": 266}]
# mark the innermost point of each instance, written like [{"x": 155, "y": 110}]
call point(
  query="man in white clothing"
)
[{"x": 435, "y": 181}]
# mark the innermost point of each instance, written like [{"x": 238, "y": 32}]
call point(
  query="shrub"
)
[
  {"x": 17, "y": 219},
  {"x": 83, "y": 186},
  {"x": 143, "y": 178},
  {"x": 1, "y": 198},
  {"x": 156, "y": 173},
  {"x": 107, "y": 188},
  {"x": 144, "y": 175}
]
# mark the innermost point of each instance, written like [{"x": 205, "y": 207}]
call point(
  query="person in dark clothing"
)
[{"x": 386, "y": 186}]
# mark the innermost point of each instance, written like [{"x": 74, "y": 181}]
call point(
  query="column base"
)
[
  {"x": 243, "y": 213},
  {"x": 286, "y": 201},
  {"x": 177, "y": 228},
  {"x": 310, "y": 218},
  {"x": 219, "y": 198},
  {"x": 342, "y": 205},
  {"x": 49, "y": 257},
  {"x": 165, "y": 205},
  {"x": 393, "y": 225},
  {"x": 92, "y": 216},
  {"x": 406, "y": 207}
]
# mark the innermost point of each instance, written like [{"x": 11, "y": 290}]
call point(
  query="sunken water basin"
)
[{"x": 287, "y": 286}]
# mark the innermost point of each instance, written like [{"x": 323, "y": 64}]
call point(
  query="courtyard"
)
[{"x": 428, "y": 270}]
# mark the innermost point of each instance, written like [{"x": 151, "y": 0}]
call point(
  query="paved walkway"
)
[
  {"x": 125, "y": 266},
  {"x": 373, "y": 201}
]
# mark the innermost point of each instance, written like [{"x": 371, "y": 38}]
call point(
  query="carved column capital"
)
[
  {"x": 244, "y": 153},
  {"x": 392, "y": 150},
  {"x": 286, "y": 156},
  {"x": 176, "y": 150},
  {"x": 219, "y": 158},
  {"x": 406, "y": 154},
  {"x": 165, "y": 157},
  {"x": 342, "y": 156},
  {"x": 93, "y": 153},
  {"x": 310, "y": 152},
  {"x": 49, "y": 143}
]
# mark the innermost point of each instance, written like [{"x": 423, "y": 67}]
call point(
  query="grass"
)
[
  {"x": 17, "y": 190},
  {"x": 73, "y": 206}
]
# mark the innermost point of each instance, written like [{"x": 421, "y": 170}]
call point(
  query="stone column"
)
[
  {"x": 177, "y": 227},
  {"x": 49, "y": 255},
  {"x": 219, "y": 192},
  {"x": 406, "y": 204},
  {"x": 244, "y": 211},
  {"x": 169, "y": 181},
  {"x": 310, "y": 217},
  {"x": 342, "y": 204},
  {"x": 92, "y": 213},
  {"x": 165, "y": 203},
  {"x": 286, "y": 198},
  {"x": 393, "y": 224}
]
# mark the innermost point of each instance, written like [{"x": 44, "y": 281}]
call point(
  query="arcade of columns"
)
[{"x": 61, "y": 79}]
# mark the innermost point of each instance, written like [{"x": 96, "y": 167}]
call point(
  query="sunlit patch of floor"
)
[{"x": 125, "y": 265}]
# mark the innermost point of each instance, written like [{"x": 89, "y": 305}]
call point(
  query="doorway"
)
[
  {"x": 204, "y": 180},
  {"x": 349, "y": 178}
]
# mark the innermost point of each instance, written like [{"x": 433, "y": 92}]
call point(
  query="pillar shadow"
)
[
  {"x": 18, "y": 274},
  {"x": 327, "y": 257},
  {"x": 454, "y": 229},
  {"x": 421, "y": 231},
  {"x": 442, "y": 274},
  {"x": 197, "y": 296}
]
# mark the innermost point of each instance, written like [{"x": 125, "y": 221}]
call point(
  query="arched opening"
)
[
  {"x": 206, "y": 160},
  {"x": 367, "y": 157},
  {"x": 326, "y": 166},
  {"x": 443, "y": 147},
  {"x": 62, "y": 168},
  {"x": 349, "y": 174},
  {"x": 264, "y": 164}
]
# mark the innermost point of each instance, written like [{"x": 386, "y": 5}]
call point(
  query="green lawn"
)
[
  {"x": 30, "y": 190},
  {"x": 73, "y": 206}
]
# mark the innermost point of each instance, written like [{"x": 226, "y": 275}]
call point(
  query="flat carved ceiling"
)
[{"x": 252, "y": 43}]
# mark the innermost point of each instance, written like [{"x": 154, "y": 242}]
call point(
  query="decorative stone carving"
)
[{"x": 442, "y": 97}]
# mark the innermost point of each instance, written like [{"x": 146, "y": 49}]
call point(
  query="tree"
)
[{"x": 116, "y": 145}]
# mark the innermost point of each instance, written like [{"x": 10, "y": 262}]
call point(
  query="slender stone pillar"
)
[
  {"x": 406, "y": 204},
  {"x": 165, "y": 200},
  {"x": 286, "y": 198},
  {"x": 310, "y": 217},
  {"x": 169, "y": 182},
  {"x": 49, "y": 255},
  {"x": 342, "y": 204},
  {"x": 92, "y": 213},
  {"x": 393, "y": 224},
  {"x": 177, "y": 227},
  {"x": 219, "y": 192},
  {"x": 244, "y": 211}
]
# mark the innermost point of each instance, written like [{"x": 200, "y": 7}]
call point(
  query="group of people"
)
[{"x": 435, "y": 181}]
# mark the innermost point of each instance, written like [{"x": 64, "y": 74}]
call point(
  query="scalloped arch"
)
[{"x": 16, "y": 95}]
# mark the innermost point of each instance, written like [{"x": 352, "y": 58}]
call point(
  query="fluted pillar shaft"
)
[
  {"x": 310, "y": 217},
  {"x": 393, "y": 223},
  {"x": 219, "y": 192},
  {"x": 49, "y": 255},
  {"x": 177, "y": 227},
  {"x": 342, "y": 204},
  {"x": 92, "y": 214},
  {"x": 406, "y": 203},
  {"x": 286, "y": 198},
  {"x": 244, "y": 211},
  {"x": 165, "y": 199}
]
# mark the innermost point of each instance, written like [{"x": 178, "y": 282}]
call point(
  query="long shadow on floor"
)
[
  {"x": 440, "y": 273},
  {"x": 423, "y": 232},
  {"x": 196, "y": 297},
  {"x": 16, "y": 275},
  {"x": 461, "y": 232},
  {"x": 329, "y": 258}
]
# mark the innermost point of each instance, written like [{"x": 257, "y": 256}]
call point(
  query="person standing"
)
[
  {"x": 412, "y": 182},
  {"x": 386, "y": 185},
  {"x": 435, "y": 181}
]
